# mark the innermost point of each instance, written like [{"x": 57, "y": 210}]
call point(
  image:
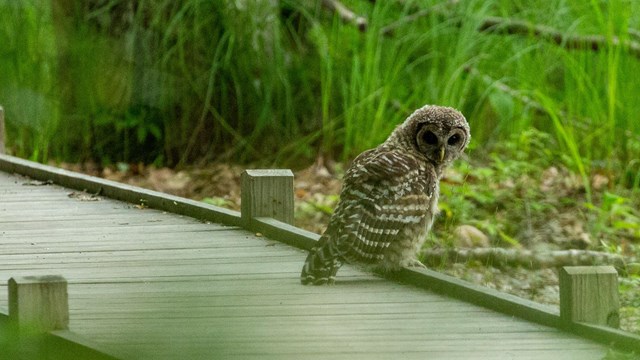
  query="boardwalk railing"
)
[
  {"x": 589, "y": 299},
  {"x": 38, "y": 322},
  {"x": 588, "y": 294}
]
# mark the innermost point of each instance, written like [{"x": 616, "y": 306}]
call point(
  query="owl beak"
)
[{"x": 442, "y": 153}]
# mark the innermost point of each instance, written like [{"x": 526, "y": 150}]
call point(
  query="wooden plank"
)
[
  {"x": 87, "y": 229},
  {"x": 52, "y": 248},
  {"x": 185, "y": 256},
  {"x": 273, "y": 263},
  {"x": 281, "y": 299},
  {"x": 373, "y": 288},
  {"x": 133, "y": 222},
  {"x": 119, "y": 191},
  {"x": 291, "y": 338},
  {"x": 294, "y": 329},
  {"x": 426, "y": 328},
  {"x": 122, "y": 242},
  {"x": 165, "y": 348}
]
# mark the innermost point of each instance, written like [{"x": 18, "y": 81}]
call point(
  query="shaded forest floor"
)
[{"x": 507, "y": 232}]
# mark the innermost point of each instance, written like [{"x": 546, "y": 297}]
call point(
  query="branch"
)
[
  {"x": 436, "y": 9},
  {"x": 345, "y": 14},
  {"x": 501, "y": 257},
  {"x": 500, "y": 25}
]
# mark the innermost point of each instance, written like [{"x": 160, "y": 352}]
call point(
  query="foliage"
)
[
  {"x": 171, "y": 82},
  {"x": 524, "y": 198}
]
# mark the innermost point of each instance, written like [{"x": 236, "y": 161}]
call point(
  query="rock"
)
[
  {"x": 599, "y": 182},
  {"x": 468, "y": 236}
]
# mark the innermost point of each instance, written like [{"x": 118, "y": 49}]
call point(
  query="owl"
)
[{"x": 389, "y": 197}]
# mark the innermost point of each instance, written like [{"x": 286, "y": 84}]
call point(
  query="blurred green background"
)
[{"x": 282, "y": 81}]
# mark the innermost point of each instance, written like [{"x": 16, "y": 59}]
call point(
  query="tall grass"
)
[{"x": 178, "y": 81}]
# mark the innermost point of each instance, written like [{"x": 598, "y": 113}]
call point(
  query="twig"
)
[
  {"x": 346, "y": 14},
  {"x": 500, "y": 257}
]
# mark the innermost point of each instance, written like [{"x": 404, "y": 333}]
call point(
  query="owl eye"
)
[
  {"x": 454, "y": 139},
  {"x": 430, "y": 138}
]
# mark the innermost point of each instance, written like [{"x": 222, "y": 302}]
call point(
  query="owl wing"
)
[{"x": 384, "y": 193}]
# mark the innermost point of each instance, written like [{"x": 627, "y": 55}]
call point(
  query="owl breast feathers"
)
[{"x": 389, "y": 197}]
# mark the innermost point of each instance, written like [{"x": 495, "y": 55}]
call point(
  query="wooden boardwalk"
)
[{"x": 147, "y": 284}]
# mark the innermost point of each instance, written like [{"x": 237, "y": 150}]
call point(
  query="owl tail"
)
[{"x": 321, "y": 265}]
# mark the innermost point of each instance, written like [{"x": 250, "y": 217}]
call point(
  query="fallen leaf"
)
[
  {"x": 83, "y": 196},
  {"x": 38, "y": 183}
]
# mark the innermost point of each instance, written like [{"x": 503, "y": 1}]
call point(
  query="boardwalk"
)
[{"x": 146, "y": 284}]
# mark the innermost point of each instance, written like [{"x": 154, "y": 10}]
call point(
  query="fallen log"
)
[{"x": 502, "y": 257}]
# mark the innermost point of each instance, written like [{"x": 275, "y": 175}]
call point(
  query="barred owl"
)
[{"x": 389, "y": 197}]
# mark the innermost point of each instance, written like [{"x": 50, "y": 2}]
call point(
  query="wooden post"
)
[
  {"x": 2, "y": 146},
  {"x": 267, "y": 193},
  {"x": 589, "y": 294},
  {"x": 38, "y": 304}
]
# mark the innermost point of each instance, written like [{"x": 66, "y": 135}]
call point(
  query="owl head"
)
[{"x": 439, "y": 133}]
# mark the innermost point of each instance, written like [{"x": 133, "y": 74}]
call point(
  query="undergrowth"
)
[
  {"x": 521, "y": 193},
  {"x": 173, "y": 83}
]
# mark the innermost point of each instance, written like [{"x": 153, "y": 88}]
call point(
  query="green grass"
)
[
  {"x": 530, "y": 198},
  {"x": 176, "y": 82}
]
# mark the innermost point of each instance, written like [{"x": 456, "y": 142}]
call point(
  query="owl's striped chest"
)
[
  {"x": 385, "y": 219},
  {"x": 405, "y": 247}
]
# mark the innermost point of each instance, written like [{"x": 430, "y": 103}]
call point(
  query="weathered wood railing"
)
[
  {"x": 38, "y": 322},
  {"x": 589, "y": 298},
  {"x": 588, "y": 294}
]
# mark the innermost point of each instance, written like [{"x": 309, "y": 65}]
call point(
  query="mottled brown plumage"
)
[{"x": 390, "y": 196}]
